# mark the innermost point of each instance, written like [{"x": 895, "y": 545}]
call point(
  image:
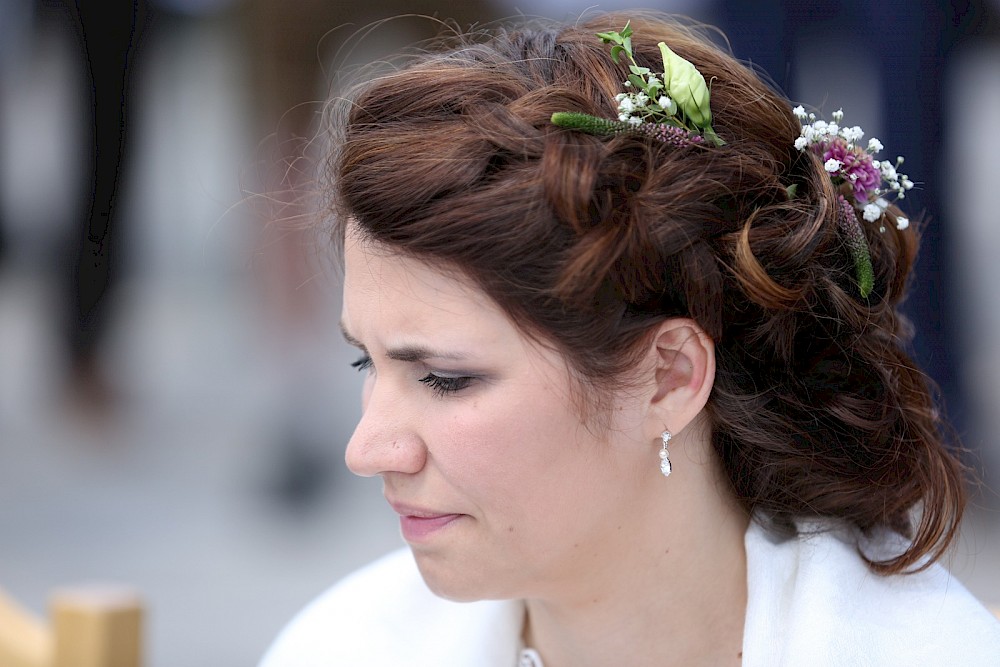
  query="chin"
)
[{"x": 456, "y": 581}]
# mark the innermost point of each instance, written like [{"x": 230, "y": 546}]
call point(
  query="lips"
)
[{"x": 418, "y": 524}]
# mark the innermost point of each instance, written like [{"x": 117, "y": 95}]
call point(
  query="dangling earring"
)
[{"x": 665, "y": 466}]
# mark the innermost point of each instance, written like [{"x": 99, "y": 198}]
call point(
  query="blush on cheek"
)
[{"x": 491, "y": 451}]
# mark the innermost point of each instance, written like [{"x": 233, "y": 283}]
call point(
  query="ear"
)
[{"x": 683, "y": 360}]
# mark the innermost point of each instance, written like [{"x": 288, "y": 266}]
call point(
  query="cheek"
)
[
  {"x": 478, "y": 443},
  {"x": 511, "y": 452}
]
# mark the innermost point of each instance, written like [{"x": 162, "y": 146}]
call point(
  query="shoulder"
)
[
  {"x": 812, "y": 598},
  {"x": 384, "y": 614}
]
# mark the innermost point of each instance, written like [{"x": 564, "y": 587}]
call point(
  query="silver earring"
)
[{"x": 665, "y": 466}]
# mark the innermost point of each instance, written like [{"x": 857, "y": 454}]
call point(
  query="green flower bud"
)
[
  {"x": 587, "y": 123},
  {"x": 687, "y": 87}
]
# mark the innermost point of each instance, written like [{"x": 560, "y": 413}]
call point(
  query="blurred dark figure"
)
[
  {"x": 909, "y": 45},
  {"x": 109, "y": 35},
  {"x": 14, "y": 28}
]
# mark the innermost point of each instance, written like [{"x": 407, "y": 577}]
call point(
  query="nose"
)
[{"x": 385, "y": 439}]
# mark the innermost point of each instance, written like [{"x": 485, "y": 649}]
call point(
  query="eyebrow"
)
[
  {"x": 351, "y": 340},
  {"x": 407, "y": 353}
]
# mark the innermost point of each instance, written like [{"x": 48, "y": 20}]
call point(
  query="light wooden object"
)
[
  {"x": 24, "y": 640},
  {"x": 89, "y": 627}
]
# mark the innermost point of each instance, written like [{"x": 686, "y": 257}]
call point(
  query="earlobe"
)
[{"x": 684, "y": 359}]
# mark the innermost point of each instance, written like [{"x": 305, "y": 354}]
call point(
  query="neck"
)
[{"x": 674, "y": 596}]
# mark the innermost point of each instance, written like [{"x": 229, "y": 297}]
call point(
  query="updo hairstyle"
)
[{"x": 587, "y": 243}]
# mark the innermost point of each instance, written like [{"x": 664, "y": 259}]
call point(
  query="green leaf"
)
[
  {"x": 637, "y": 81},
  {"x": 610, "y": 37},
  {"x": 635, "y": 69},
  {"x": 627, "y": 30},
  {"x": 712, "y": 137},
  {"x": 791, "y": 191},
  {"x": 616, "y": 52}
]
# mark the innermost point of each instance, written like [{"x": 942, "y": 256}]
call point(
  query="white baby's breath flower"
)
[
  {"x": 838, "y": 115},
  {"x": 623, "y": 117},
  {"x": 635, "y": 121},
  {"x": 799, "y": 112},
  {"x": 620, "y": 96},
  {"x": 626, "y": 105},
  {"x": 874, "y": 145},
  {"x": 902, "y": 223},
  {"x": 832, "y": 165},
  {"x": 882, "y": 203},
  {"x": 664, "y": 102},
  {"x": 653, "y": 81},
  {"x": 852, "y": 134},
  {"x": 801, "y": 143},
  {"x": 872, "y": 213},
  {"x": 907, "y": 183},
  {"x": 641, "y": 100}
]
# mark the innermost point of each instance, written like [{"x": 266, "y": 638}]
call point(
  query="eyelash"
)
[
  {"x": 445, "y": 385},
  {"x": 362, "y": 364},
  {"x": 439, "y": 384}
]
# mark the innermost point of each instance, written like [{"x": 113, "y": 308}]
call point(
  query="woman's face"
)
[{"x": 502, "y": 489}]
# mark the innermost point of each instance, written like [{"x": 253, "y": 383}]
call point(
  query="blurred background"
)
[{"x": 174, "y": 394}]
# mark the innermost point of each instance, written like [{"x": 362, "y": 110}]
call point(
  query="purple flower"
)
[
  {"x": 857, "y": 168},
  {"x": 668, "y": 134}
]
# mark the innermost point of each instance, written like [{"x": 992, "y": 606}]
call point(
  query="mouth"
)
[{"x": 418, "y": 525}]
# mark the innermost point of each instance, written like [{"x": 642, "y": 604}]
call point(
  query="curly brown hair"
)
[{"x": 817, "y": 410}]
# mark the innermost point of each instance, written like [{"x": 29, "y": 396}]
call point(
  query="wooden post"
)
[
  {"x": 24, "y": 639},
  {"x": 97, "y": 627}
]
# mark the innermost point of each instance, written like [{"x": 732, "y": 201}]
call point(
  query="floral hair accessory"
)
[
  {"x": 870, "y": 181},
  {"x": 846, "y": 161},
  {"x": 672, "y": 107}
]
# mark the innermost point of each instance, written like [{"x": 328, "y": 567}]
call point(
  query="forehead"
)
[{"x": 401, "y": 295}]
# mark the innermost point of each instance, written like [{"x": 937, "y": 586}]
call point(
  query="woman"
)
[{"x": 635, "y": 379}]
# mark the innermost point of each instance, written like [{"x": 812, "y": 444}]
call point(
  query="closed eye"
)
[{"x": 442, "y": 384}]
